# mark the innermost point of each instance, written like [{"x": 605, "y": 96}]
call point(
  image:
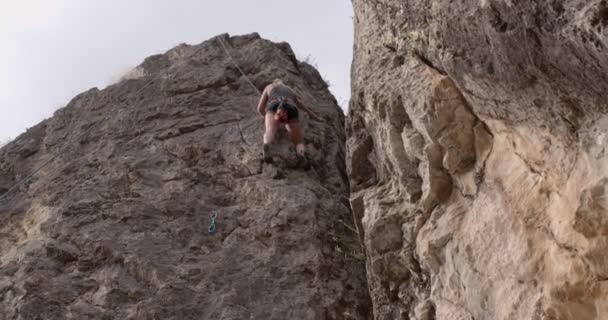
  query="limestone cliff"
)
[
  {"x": 477, "y": 137},
  {"x": 116, "y": 225}
]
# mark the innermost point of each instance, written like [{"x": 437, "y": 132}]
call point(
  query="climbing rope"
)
[
  {"x": 27, "y": 178},
  {"x": 212, "y": 226},
  {"x": 237, "y": 66}
]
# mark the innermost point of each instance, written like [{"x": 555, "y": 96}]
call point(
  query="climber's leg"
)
[
  {"x": 295, "y": 130},
  {"x": 271, "y": 129}
]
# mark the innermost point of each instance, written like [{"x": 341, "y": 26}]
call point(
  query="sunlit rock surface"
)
[{"x": 477, "y": 137}]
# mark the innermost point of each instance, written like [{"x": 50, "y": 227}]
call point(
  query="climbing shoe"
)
[
  {"x": 302, "y": 161},
  {"x": 266, "y": 156}
]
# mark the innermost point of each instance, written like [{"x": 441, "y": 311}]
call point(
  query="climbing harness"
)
[{"x": 212, "y": 226}]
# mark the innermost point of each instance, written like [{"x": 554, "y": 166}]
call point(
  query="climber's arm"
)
[{"x": 263, "y": 100}]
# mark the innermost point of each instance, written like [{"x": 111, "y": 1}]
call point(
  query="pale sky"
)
[{"x": 51, "y": 50}]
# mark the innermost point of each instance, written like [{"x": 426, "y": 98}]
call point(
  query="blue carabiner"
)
[{"x": 212, "y": 226}]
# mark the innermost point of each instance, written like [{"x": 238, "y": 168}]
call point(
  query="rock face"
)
[
  {"x": 477, "y": 153},
  {"x": 116, "y": 226}
]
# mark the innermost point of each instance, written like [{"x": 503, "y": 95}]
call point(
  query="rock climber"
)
[{"x": 279, "y": 104}]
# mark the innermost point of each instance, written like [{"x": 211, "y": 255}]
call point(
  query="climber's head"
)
[{"x": 277, "y": 81}]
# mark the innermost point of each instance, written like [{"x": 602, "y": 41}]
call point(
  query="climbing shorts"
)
[{"x": 292, "y": 110}]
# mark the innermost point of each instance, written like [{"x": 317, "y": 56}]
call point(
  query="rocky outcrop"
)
[
  {"x": 477, "y": 155},
  {"x": 116, "y": 225}
]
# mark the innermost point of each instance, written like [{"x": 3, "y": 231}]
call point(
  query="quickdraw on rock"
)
[{"x": 212, "y": 226}]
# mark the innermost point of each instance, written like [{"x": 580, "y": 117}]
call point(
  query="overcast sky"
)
[{"x": 51, "y": 50}]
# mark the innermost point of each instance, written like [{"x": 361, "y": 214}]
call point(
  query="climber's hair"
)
[{"x": 277, "y": 81}]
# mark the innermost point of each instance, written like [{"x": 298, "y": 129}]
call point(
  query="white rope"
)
[
  {"x": 62, "y": 151},
  {"x": 237, "y": 66}
]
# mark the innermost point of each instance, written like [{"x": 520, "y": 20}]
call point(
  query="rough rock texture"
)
[
  {"x": 477, "y": 137},
  {"x": 116, "y": 226}
]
